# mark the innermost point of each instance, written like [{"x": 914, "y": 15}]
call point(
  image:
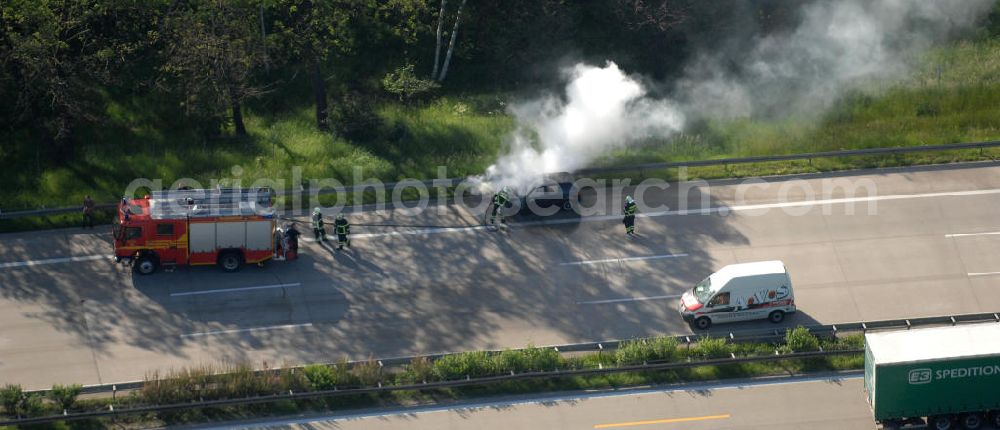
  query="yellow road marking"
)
[{"x": 666, "y": 421}]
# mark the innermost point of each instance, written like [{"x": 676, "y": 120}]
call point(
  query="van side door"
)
[{"x": 721, "y": 309}]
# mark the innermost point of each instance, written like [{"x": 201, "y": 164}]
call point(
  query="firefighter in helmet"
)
[
  {"x": 500, "y": 200},
  {"x": 629, "y": 211},
  {"x": 291, "y": 240},
  {"x": 343, "y": 229},
  {"x": 317, "y": 223}
]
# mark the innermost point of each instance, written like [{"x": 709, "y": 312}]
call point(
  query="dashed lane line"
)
[
  {"x": 629, "y": 299},
  {"x": 53, "y": 261},
  {"x": 621, "y": 260},
  {"x": 230, "y": 290},
  {"x": 247, "y": 330}
]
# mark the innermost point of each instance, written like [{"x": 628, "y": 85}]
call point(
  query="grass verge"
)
[{"x": 950, "y": 97}]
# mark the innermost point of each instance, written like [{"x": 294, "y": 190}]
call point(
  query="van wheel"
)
[
  {"x": 145, "y": 265},
  {"x": 940, "y": 422},
  {"x": 995, "y": 419},
  {"x": 231, "y": 261},
  {"x": 776, "y": 317},
  {"x": 702, "y": 323},
  {"x": 972, "y": 421}
]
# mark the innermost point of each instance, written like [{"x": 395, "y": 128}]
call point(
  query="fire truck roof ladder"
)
[{"x": 175, "y": 204}]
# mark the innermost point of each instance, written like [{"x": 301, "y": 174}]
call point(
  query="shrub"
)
[
  {"x": 320, "y": 376},
  {"x": 709, "y": 347},
  {"x": 419, "y": 370},
  {"x": 242, "y": 381},
  {"x": 633, "y": 352},
  {"x": 752, "y": 349},
  {"x": 800, "y": 339},
  {"x": 369, "y": 373},
  {"x": 509, "y": 361},
  {"x": 355, "y": 118},
  {"x": 405, "y": 84},
  {"x": 854, "y": 341},
  {"x": 31, "y": 405},
  {"x": 541, "y": 359},
  {"x": 458, "y": 366},
  {"x": 10, "y": 396},
  {"x": 176, "y": 387},
  {"x": 294, "y": 380},
  {"x": 928, "y": 109},
  {"x": 65, "y": 395},
  {"x": 664, "y": 348}
]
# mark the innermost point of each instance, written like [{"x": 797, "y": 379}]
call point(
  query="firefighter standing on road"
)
[
  {"x": 500, "y": 200},
  {"x": 292, "y": 240},
  {"x": 88, "y": 212},
  {"x": 343, "y": 229},
  {"x": 317, "y": 222},
  {"x": 629, "y": 211}
]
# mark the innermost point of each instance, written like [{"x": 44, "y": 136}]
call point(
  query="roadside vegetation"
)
[
  {"x": 327, "y": 87},
  {"x": 241, "y": 381}
]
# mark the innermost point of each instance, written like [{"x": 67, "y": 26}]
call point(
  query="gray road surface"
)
[
  {"x": 814, "y": 404},
  {"x": 569, "y": 279}
]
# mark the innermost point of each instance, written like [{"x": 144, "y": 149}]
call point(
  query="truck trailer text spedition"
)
[{"x": 944, "y": 377}]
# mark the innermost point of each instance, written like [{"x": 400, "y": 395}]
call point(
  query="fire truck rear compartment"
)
[{"x": 213, "y": 242}]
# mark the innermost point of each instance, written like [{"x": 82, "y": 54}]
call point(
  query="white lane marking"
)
[
  {"x": 246, "y": 330},
  {"x": 53, "y": 261},
  {"x": 990, "y": 233},
  {"x": 983, "y": 273},
  {"x": 705, "y": 211},
  {"x": 229, "y": 290},
  {"x": 621, "y": 260},
  {"x": 547, "y": 400},
  {"x": 757, "y": 207},
  {"x": 630, "y": 299},
  {"x": 435, "y": 230}
]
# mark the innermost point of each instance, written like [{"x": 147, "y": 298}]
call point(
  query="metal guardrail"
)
[
  {"x": 740, "y": 336},
  {"x": 452, "y": 182},
  {"x": 751, "y": 335},
  {"x": 645, "y": 367},
  {"x": 809, "y": 156}
]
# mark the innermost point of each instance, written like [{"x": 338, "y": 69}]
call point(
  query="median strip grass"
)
[{"x": 205, "y": 383}]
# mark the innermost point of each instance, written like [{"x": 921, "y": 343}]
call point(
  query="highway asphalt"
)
[
  {"x": 829, "y": 403},
  {"x": 928, "y": 247}
]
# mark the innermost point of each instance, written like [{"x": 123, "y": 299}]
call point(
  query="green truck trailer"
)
[{"x": 946, "y": 377}]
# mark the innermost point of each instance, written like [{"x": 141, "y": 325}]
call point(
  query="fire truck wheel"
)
[
  {"x": 145, "y": 265},
  {"x": 231, "y": 261}
]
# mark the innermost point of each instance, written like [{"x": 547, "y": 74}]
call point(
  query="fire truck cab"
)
[{"x": 224, "y": 227}]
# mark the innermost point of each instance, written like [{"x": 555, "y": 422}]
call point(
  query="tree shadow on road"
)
[{"x": 393, "y": 295}]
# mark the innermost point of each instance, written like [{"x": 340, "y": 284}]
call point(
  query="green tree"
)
[
  {"x": 312, "y": 32},
  {"x": 211, "y": 52},
  {"x": 54, "y": 55}
]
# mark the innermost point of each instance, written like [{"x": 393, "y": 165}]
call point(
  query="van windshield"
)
[{"x": 703, "y": 290}]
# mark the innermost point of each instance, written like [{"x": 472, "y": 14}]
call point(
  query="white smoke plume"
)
[
  {"x": 835, "y": 47},
  {"x": 602, "y": 109}
]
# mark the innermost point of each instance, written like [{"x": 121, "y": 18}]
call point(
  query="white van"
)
[{"x": 740, "y": 292}]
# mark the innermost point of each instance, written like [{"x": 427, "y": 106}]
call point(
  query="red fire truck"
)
[{"x": 227, "y": 227}]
